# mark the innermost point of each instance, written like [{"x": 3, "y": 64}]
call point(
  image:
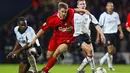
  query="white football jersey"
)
[
  {"x": 109, "y": 22},
  {"x": 82, "y": 23},
  {"x": 25, "y": 37}
]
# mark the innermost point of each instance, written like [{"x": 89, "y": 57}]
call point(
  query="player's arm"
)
[
  {"x": 77, "y": 10},
  {"x": 128, "y": 29},
  {"x": 20, "y": 49},
  {"x": 119, "y": 27},
  {"x": 100, "y": 32},
  {"x": 14, "y": 49},
  {"x": 98, "y": 28},
  {"x": 40, "y": 33},
  {"x": 121, "y": 32}
]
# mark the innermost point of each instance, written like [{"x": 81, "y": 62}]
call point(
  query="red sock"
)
[{"x": 50, "y": 64}]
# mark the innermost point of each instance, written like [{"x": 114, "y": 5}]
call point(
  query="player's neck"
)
[
  {"x": 110, "y": 12},
  {"x": 59, "y": 16}
]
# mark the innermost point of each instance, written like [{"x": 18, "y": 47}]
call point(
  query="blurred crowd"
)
[{"x": 42, "y": 9}]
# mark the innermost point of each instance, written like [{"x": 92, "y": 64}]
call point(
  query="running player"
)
[
  {"x": 62, "y": 24},
  {"x": 24, "y": 35},
  {"x": 82, "y": 24},
  {"x": 110, "y": 23}
]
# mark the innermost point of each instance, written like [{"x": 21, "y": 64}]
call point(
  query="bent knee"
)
[{"x": 48, "y": 56}]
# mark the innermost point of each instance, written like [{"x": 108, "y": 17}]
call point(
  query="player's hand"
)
[
  {"x": 121, "y": 35},
  {"x": 87, "y": 12},
  {"x": 103, "y": 39},
  {"x": 31, "y": 43},
  {"x": 97, "y": 40},
  {"x": 11, "y": 54}
]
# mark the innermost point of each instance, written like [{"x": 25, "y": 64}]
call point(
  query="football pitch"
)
[{"x": 64, "y": 68}]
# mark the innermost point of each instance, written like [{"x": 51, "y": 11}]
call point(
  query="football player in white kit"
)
[
  {"x": 110, "y": 23},
  {"x": 82, "y": 24},
  {"x": 24, "y": 35}
]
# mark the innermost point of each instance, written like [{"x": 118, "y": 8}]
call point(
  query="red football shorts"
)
[{"x": 55, "y": 42}]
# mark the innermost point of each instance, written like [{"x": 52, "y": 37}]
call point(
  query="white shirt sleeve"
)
[
  {"x": 118, "y": 20},
  {"x": 101, "y": 20},
  {"x": 94, "y": 20}
]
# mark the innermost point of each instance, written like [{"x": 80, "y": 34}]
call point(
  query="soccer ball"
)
[{"x": 100, "y": 70}]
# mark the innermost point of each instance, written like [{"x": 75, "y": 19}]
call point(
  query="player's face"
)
[
  {"x": 62, "y": 13},
  {"x": 81, "y": 5},
  {"x": 109, "y": 7},
  {"x": 22, "y": 26}
]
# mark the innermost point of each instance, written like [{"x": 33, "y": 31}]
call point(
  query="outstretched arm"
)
[
  {"x": 14, "y": 49},
  {"x": 40, "y": 33},
  {"x": 77, "y": 10}
]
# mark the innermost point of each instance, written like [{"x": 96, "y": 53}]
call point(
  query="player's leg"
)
[
  {"x": 88, "y": 48},
  {"x": 31, "y": 59},
  {"x": 24, "y": 67},
  {"x": 108, "y": 42},
  {"x": 49, "y": 54},
  {"x": 52, "y": 61},
  {"x": 111, "y": 50}
]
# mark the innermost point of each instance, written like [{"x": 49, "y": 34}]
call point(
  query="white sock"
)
[
  {"x": 83, "y": 64},
  {"x": 91, "y": 62},
  {"x": 32, "y": 63},
  {"x": 109, "y": 60},
  {"x": 102, "y": 60}
]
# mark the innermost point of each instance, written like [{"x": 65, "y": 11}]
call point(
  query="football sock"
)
[
  {"x": 32, "y": 63},
  {"x": 83, "y": 64},
  {"x": 109, "y": 60},
  {"x": 91, "y": 62},
  {"x": 102, "y": 60},
  {"x": 52, "y": 61}
]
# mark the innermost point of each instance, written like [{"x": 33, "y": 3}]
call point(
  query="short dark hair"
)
[
  {"x": 110, "y": 3},
  {"x": 62, "y": 5},
  {"x": 21, "y": 20}
]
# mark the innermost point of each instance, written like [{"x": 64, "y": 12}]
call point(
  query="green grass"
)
[{"x": 63, "y": 68}]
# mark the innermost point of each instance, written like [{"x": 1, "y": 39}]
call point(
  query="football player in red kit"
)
[{"x": 63, "y": 25}]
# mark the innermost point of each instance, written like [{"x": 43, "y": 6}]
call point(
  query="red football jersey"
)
[
  {"x": 62, "y": 28},
  {"x": 128, "y": 21}
]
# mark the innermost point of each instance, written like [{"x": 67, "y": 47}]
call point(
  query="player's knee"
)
[
  {"x": 48, "y": 56},
  {"x": 111, "y": 49}
]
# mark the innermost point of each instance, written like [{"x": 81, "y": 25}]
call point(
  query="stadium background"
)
[{"x": 37, "y": 11}]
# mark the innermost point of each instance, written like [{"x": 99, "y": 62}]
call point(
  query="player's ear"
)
[{"x": 77, "y": 5}]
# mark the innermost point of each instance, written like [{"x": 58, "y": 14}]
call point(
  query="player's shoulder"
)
[
  {"x": 52, "y": 18},
  {"x": 29, "y": 28},
  {"x": 16, "y": 28},
  {"x": 115, "y": 13},
  {"x": 104, "y": 13},
  {"x": 71, "y": 10}
]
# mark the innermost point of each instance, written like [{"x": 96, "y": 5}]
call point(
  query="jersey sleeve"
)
[
  {"x": 101, "y": 19},
  {"x": 71, "y": 12},
  {"x": 118, "y": 20},
  {"x": 128, "y": 21},
  {"x": 48, "y": 24},
  {"x": 94, "y": 20}
]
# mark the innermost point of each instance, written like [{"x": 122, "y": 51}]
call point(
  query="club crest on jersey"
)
[{"x": 66, "y": 29}]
